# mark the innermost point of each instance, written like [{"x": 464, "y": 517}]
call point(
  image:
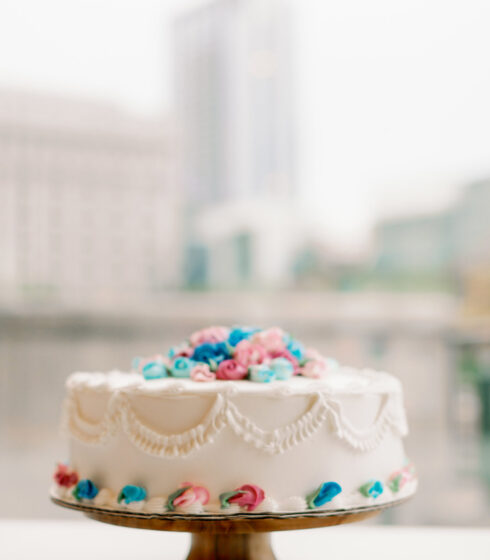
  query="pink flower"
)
[
  {"x": 313, "y": 354},
  {"x": 231, "y": 370},
  {"x": 271, "y": 339},
  {"x": 201, "y": 372},
  {"x": 286, "y": 354},
  {"x": 314, "y": 369},
  {"x": 191, "y": 495},
  {"x": 249, "y": 496},
  {"x": 247, "y": 354},
  {"x": 209, "y": 334},
  {"x": 64, "y": 476}
]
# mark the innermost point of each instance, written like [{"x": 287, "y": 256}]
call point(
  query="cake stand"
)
[{"x": 239, "y": 536}]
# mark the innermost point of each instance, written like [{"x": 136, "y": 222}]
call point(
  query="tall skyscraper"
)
[{"x": 234, "y": 109}]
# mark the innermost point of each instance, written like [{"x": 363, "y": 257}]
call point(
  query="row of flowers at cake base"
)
[{"x": 193, "y": 499}]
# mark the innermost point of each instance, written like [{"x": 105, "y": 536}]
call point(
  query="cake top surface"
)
[
  {"x": 239, "y": 360},
  {"x": 344, "y": 380}
]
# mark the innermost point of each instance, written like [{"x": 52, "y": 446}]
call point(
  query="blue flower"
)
[
  {"x": 325, "y": 493},
  {"x": 296, "y": 348},
  {"x": 85, "y": 490},
  {"x": 261, "y": 373},
  {"x": 131, "y": 493},
  {"x": 372, "y": 489},
  {"x": 283, "y": 369},
  {"x": 211, "y": 354},
  {"x": 238, "y": 334},
  {"x": 182, "y": 367}
]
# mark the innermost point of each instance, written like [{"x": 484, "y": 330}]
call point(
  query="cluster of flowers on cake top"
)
[{"x": 223, "y": 353}]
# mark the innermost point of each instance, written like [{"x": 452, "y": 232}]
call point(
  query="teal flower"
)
[
  {"x": 261, "y": 373},
  {"x": 296, "y": 348},
  {"x": 283, "y": 369},
  {"x": 182, "y": 367},
  {"x": 150, "y": 368},
  {"x": 372, "y": 489},
  {"x": 131, "y": 493},
  {"x": 323, "y": 494},
  {"x": 85, "y": 490}
]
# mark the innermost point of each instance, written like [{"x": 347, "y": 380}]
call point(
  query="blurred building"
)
[
  {"x": 452, "y": 243},
  {"x": 233, "y": 99},
  {"x": 87, "y": 200}
]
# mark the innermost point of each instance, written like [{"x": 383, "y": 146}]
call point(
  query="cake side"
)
[{"x": 331, "y": 443}]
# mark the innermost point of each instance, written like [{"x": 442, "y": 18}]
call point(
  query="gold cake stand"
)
[{"x": 239, "y": 536}]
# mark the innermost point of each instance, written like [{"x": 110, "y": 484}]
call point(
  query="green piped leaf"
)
[
  {"x": 395, "y": 483},
  {"x": 174, "y": 496},
  {"x": 310, "y": 499},
  {"x": 76, "y": 495},
  {"x": 226, "y": 496}
]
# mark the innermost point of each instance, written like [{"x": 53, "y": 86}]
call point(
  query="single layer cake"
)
[{"x": 235, "y": 421}]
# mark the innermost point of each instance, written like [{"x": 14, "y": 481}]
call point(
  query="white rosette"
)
[
  {"x": 157, "y": 504},
  {"x": 106, "y": 498},
  {"x": 135, "y": 506},
  {"x": 267, "y": 505},
  {"x": 192, "y": 509},
  {"x": 234, "y": 508},
  {"x": 294, "y": 503}
]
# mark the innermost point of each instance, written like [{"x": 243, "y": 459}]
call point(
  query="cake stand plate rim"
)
[{"x": 233, "y": 523}]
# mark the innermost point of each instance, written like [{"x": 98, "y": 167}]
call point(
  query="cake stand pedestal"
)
[{"x": 233, "y": 537}]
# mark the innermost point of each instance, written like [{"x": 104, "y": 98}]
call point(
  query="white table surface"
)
[{"x": 87, "y": 540}]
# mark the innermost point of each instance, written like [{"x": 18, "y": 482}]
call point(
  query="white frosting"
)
[
  {"x": 120, "y": 415},
  {"x": 287, "y": 437}
]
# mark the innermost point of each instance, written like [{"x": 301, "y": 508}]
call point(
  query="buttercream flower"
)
[
  {"x": 261, "y": 373},
  {"x": 182, "y": 367},
  {"x": 283, "y": 369},
  {"x": 398, "y": 479},
  {"x": 151, "y": 368},
  {"x": 209, "y": 334},
  {"x": 296, "y": 348},
  {"x": 312, "y": 354},
  {"x": 85, "y": 490},
  {"x": 211, "y": 354},
  {"x": 286, "y": 354},
  {"x": 231, "y": 370},
  {"x": 247, "y": 354},
  {"x": 238, "y": 334},
  {"x": 182, "y": 350},
  {"x": 187, "y": 495},
  {"x": 131, "y": 493},
  {"x": 314, "y": 369},
  {"x": 201, "y": 372},
  {"x": 248, "y": 496},
  {"x": 65, "y": 476},
  {"x": 372, "y": 489},
  {"x": 323, "y": 494},
  {"x": 271, "y": 339}
]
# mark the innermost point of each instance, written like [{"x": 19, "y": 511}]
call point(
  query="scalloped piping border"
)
[{"x": 224, "y": 413}]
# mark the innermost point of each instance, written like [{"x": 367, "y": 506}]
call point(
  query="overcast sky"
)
[{"x": 392, "y": 95}]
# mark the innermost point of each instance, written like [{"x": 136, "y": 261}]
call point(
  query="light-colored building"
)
[
  {"x": 234, "y": 110},
  {"x": 452, "y": 241},
  {"x": 416, "y": 244},
  {"x": 88, "y": 201}
]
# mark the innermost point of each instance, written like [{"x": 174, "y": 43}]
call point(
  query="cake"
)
[{"x": 234, "y": 421}]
